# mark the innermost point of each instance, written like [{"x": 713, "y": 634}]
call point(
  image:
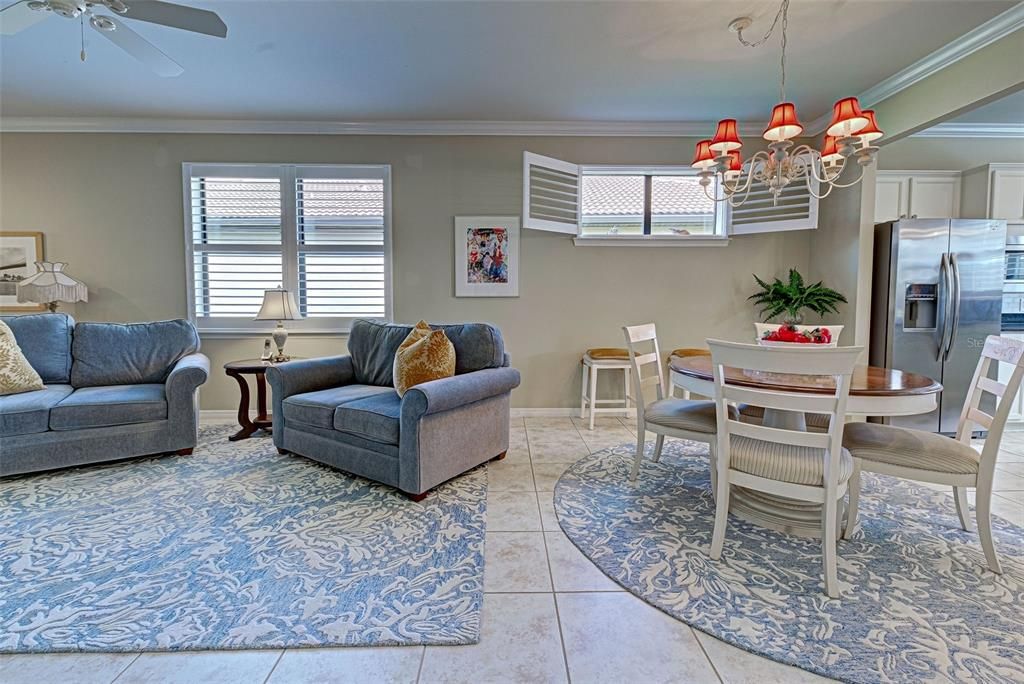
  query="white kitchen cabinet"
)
[
  {"x": 1007, "y": 192},
  {"x": 1005, "y": 369},
  {"x": 917, "y": 194}
]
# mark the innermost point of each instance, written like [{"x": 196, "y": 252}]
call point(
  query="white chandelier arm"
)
[
  {"x": 815, "y": 195},
  {"x": 859, "y": 178}
]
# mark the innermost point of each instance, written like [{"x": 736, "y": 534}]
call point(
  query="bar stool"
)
[
  {"x": 683, "y": 352},
  {"x": 603, "y": 358}
]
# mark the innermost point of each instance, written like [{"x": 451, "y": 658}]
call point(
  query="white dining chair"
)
[
  {"x": 936, "y": 459},
  {"x": 806, "y": 466},
  {"x": 665, "y": 415}
]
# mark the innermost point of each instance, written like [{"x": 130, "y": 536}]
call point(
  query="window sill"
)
[
  {"x": 232, "y": 333},
  {"x": 651, "y": 241}
]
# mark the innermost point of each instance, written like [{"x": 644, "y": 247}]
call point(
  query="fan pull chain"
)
[{"x": 82, "y": 25}]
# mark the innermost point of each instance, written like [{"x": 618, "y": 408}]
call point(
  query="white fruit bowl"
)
[{"x": 762, "y": 328}]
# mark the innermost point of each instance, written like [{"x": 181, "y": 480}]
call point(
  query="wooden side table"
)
[{"x": 238, "y": 370}]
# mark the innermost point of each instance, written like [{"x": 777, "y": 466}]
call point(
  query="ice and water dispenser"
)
[{"x": 920, "y": 306}]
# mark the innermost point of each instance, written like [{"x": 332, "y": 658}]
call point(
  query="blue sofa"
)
[
  {"x": 344, "y": 411},
  {"x": 112, "y": 391}
]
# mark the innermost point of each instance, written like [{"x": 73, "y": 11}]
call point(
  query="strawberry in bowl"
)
[{"x": 788, "y": 333}]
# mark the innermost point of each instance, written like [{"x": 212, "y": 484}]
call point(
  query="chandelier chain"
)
[{"x": 781, "y": 16}]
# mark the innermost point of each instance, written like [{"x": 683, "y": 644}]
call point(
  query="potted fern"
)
[{"x": 789, "y": 300}]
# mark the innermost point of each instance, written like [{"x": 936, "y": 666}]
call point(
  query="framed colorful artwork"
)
[
  {"x": 486, "y": 256},
  {"x": 19, "y": 252}
]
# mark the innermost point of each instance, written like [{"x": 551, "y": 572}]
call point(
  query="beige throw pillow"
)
[
  {"x": 16, "y": 374},
  {"x": 423, "y": 356}
]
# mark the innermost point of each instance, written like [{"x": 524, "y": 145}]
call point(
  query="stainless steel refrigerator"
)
[{"x": 936, "y": 294}]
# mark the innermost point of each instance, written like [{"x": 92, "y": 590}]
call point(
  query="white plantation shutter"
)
[
  {"x": 551, "y": 194},
  {"x": 322, "y": 232},
  {"x": 797, "y": 209},
  {"x": 340, "y": 244}
]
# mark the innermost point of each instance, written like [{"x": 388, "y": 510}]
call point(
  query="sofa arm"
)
[
  {"x": 448, "y": 393},
  {"x": 190, "y": 372},
  {"x": 309, "y": 375}
]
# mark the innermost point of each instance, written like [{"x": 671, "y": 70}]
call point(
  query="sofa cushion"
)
[
  {"x": 317, "y": 408},
  {"x": 111, "y": 405},
  {"x": 29, "y": 412},
  {"x": 373, "y": 344},
  {"x": 375, "y": 418},
  {"x": 129, "y": 354},
  {"x": 45, "y": 339}
]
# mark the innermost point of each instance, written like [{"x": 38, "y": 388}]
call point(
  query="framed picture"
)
[
  {"x": 486, "y": 256},
  {"x": 19, "y": 252}
]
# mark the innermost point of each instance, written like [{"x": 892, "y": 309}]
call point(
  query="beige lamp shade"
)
[
  {"x": 51, "y": 284},
  {"x": 278, "y": 305}
]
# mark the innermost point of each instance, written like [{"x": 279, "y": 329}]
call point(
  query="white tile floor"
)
[{"x": 549, "y": 615}]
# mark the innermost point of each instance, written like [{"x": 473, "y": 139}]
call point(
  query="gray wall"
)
[
  {"x": 948, "y": 154},
  {"x": 111, "y": 205}
]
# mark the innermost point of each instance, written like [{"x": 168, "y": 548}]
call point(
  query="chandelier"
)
[{"x": 850, "y": 134}]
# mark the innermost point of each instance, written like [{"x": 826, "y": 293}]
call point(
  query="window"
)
[
  {"x": 645, "y": 202},
  {"x": 323, "y": 232}
]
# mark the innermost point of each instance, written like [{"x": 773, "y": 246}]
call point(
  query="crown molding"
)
[
  {"x": 242, "y": 126},
  {"x": 972, "y": 130},
  {"x": 977, "y": 38}
]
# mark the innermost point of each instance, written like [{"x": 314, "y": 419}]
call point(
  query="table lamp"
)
[
  {"x": 278, "y": 305},
  {"x": 50, "y": 285}
]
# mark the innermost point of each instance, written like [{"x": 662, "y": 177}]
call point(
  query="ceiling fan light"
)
[
  {"x": 102, "y": 23},
  {"x": 829, "y": 152},
  {"x": 726, "y": 137},
  {"x": 783, "y": 124},
  {"x": 847, "y": 118},
  {"x": 703, "y": 157},
  {"x": 871, "y": 132}
]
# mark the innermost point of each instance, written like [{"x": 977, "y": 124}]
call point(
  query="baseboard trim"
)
[{"x": 218, "y": 415}]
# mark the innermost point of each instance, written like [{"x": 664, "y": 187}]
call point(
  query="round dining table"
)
[{"x": 874, "y": 391}]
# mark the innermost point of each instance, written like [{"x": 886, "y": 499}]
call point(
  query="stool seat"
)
[
  {"x": 608, "y": 354},
  {"x": 690, "y": 351}
]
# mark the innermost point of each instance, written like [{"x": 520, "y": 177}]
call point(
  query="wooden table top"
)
[
  {"x": 252, "y": 365},
  {"x": 867, "y": 381}
]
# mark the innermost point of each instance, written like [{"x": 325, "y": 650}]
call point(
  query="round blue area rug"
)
[
  {"x": 235, "y": 546},
  {"x": 917, "y": 601}
]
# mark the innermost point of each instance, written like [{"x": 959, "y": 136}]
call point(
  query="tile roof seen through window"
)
[
  {"x": 243, "y": 197},
  {"x": 619, "y": 195}
]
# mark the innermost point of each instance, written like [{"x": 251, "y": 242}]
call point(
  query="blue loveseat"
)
[
  {"x": 112, "y": 391},
  {"x": 344, "y": 411}
]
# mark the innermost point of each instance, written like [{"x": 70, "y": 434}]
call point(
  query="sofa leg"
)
[
  {"x": 500, "y": 456},
  {"x": 283, "y": 452},
  {"x": 184, "y": 452},
  {"x": 417, "y": 497}
]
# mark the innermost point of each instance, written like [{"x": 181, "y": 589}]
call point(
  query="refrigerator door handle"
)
[
  {"x": 944, "y": 303},
  {"x": 955, "y": 268}
]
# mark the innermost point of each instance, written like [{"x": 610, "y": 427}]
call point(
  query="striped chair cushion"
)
[
  {"x": 910, "y": 449},
  {"x": 682, "y": 414},
  {"x": 816, "y": 422},
  {"x": 784, "y": 462}
]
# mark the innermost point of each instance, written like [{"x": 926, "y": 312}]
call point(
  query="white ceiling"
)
[{"x": 500, "y": 60}]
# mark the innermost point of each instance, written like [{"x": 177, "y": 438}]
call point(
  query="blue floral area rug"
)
[
  {"x": 917, "y": 601},
  {"x": 233, "y": 547}
]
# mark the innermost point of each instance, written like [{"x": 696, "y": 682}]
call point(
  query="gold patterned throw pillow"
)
[
  {"x": 16, "y": 375},
  {"x": 423, "y": 356}
]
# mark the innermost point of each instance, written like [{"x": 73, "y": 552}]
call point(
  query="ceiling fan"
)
[{"x": 20, "y": 15}]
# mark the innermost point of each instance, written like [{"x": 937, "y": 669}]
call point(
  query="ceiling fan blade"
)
[
  {"x": 177, "y": 16},
  {"x": 18, "y": 17},
  {"x": 140, "y": 48}
]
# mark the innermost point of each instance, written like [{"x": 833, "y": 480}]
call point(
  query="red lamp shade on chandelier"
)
[
  {"x": 871, "y": 132},
  {"x": 735, "y": 165},
  {"x": 703, "y": 157},
  {"x": 784, "y": 124},
  {"x": 726, "y": 137},
  {"x": 847, "y": 118},
  {"x": 829, "y": 154}
]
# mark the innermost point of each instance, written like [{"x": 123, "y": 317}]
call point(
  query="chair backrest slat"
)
[
  {"x": 791, "y": 401},
  {"x": 646, "y": 366},
  {"x": 996, "y": 350},
  {"x": 817, "y": 440}
]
